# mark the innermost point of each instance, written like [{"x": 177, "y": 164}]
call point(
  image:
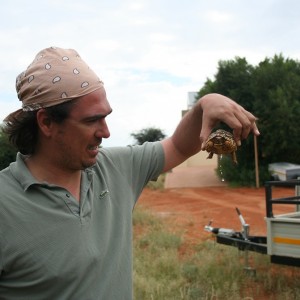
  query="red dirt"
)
[{"x": 188, "y": 210}]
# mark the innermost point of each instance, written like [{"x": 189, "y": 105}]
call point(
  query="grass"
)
[
  {"x": 158, "y": 184},
  {"x": 163, "y": 271}
]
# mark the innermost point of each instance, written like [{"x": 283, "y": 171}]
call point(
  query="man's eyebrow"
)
[{"x": 97, "y": 116}]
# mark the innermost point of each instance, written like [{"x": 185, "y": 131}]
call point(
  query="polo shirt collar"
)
[
  {"x": 22, "y": 174},
  {"x": 20, "y": 171}
]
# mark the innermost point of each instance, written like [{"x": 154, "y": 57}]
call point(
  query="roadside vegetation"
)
[
  {"x": 159, "y": 184},
  {"x": 166, "y": 267},
  {"x": 7, "y": 151}
]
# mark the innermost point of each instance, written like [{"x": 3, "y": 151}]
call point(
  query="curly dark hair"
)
[{"x": 22, "y": 131}]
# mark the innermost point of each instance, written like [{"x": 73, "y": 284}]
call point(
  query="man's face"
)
[{"x": 77, "y": 139}]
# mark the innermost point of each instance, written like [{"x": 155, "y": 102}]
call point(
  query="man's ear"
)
[{"x": 44, "y": 122}]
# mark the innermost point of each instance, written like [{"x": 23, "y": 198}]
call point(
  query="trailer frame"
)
[{"x": 282, "y": 242}]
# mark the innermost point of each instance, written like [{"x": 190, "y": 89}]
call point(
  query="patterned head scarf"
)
[{"x": 55, "y": 76}]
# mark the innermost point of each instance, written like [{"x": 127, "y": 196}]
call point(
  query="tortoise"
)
[{"x": 221, "y": 142}]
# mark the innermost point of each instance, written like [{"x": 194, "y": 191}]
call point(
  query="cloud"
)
[
  {"x": 149, "y": 54},
  {"x": 219, "y": 17}
]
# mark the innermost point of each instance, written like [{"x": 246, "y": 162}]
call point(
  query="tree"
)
[
  {"x": 271, "y": 91},
  {"x": 150, "y": 134},
  {"x": 276, "y": 89},
  {"x": 7, "y": 152},
  {"x": 233, "y": 79}
]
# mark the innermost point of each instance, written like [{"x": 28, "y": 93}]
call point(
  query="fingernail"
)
[{"x": 239, "y": 143}]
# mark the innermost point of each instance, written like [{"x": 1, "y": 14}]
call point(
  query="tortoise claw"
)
[{"x": 210, "y": 156}]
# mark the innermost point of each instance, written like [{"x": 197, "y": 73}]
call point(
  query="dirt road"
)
[{"x": 188, "y": 210}]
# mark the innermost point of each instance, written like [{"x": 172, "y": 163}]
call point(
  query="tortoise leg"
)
[
  {"x": 211, "y": 154},
  {"x": 233, "y": 156}
]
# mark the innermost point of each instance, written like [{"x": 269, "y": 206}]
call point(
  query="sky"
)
[{"x": 149, "y": 53}]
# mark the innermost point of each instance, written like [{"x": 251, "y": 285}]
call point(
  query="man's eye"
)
[
  {"x": 95, "y": 120},
  {"x": 92, "y": 120}
]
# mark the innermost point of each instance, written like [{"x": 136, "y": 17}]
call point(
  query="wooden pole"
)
[{"x": 256, "y": 162}]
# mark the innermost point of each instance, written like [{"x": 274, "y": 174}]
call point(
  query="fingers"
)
[
  {"x": 241, "y": 121},
  {"x": 255, "y": 129},
  {"x": 245, "y": 123}
]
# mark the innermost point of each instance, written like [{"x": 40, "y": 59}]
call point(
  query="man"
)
[{"x": 65, "y": 204}]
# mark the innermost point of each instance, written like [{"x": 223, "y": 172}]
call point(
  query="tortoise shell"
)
[{"x": 221, "y": 142}]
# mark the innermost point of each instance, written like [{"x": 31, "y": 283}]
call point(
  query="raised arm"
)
[{"x": 195, "y": 127}]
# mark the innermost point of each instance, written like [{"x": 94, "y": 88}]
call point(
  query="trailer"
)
[
  {"x": 283, "y": 171},
  {"x": 282, "y": 242}
]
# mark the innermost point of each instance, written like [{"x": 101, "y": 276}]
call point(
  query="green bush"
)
[
  {"x": 159, "y": 184},
  {"x": 7, "y": 152},
  {"x": 239, "y": 175}
]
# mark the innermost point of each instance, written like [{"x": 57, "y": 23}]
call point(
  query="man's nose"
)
[{"x": 102, "y": 130}]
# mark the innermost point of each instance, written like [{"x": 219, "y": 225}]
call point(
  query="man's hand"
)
[
  {"x": 217, "y": 108},
  {"x": 195, "y": 127}
]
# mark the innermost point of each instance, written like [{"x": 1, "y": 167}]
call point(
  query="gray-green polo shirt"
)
[{"x": 52, "y": 247}]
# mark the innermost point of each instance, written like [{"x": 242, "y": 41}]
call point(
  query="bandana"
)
[{"x": 55, "y": 76}]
